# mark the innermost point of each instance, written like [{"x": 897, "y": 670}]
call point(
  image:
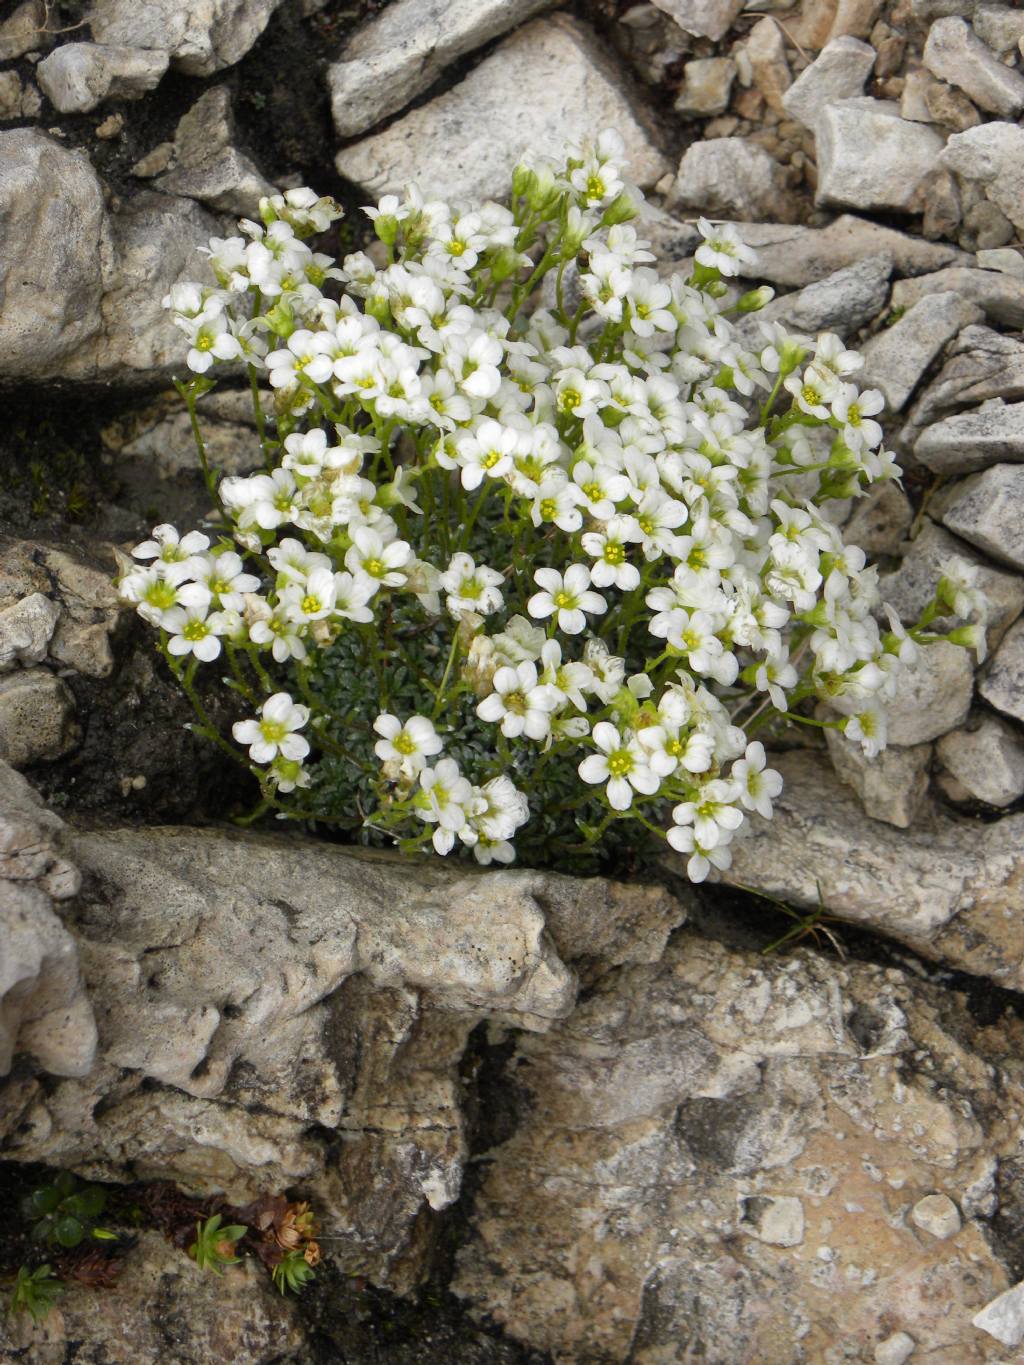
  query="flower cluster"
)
[{"x": 589, "y": 507}]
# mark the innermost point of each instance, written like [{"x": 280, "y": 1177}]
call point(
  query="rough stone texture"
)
[
  {"x": 1003, "y": 1318},
  {"x": 880, "y": 520},
  {"x": 999, "y": 27},
  {"x": 51, "y": 224},
  {"x": 166, "y": 445},
  {"x": 934, "y": 694},
  {"x": 37, "y": 717},
  {"x": 954, "y": 54},
  {"x": 1001, "y": 296},
  {"x": 896, "y": 358},
  {"x": 796, "y": 256},
  {"x": 970, "y": 441},
  {"x": 1002, "y": 685},
  {"x": 199, "y": 36},
  {"x": 626, "y": 1215},
  {"x": 981, "y": 364},
  {"x": 895, "y": 1350},
  {"x": 163, "y": 1308},
  {"x": 891, "y": 787},
  {"x": 25, "y": 630},
  {"x": 938, "y": 1215},
  {"x": 766, "y": 52},
  {"x": 79, "y": 76},
  {"x": 986, "y": 759},
  {"x": 730, "y": 176},
  {"x": 707, "y": 83},
  {"x": 43, "y": 1007},
  {"x": 23, "y": 32},
  {"x": 406, "y": 48},
  {"x": 911, "y": 587},
  {"x": 206, "y": 165},
  {"x": 843, "y": 302},
  {"x": 547, "y": 83},
  {"x": 839, "y": 72},
  {"x": 902, "y": 155},
  {"x": 346, "y": 1014},
  {"x": 987, "y": 509},
  {"x": 948, "y": 887},
  {"x": 702, "y": 18},
  {"x": 993, "y": 157}
]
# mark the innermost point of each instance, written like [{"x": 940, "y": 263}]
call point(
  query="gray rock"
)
[
  {"x": 937, "y": 1215},
  {"x": 729, "y": 176},
  {"x": 547, "y": 83},
  {"x": 895, "y": 1350},
  {"x": 707, "y": 85},
  {"x": 702, "y": 18},
  {"x": 982, "y": 364},
  {"x": 765, "y": 50},
  {"x": 1000, "y": 296},
  {"x": 987, "y": 759},
  {"x": 839, "y": 72},
  {"x": 911, "y": 587},
  {"x": 795, "y": 256},
  {"x": 1003, "y": 1318},
  {"x": 954, "y": 54},
  {"x": 934, "y": 694},
  {"x": 992, "y": 156},
  {"x": 880, "y": 520},
  {"x": 206, "y": 165},
  {"x": 199, "y": 36},
  {"x": 37, "y": 717},
  {"x": 902, "y": 155},
  {"x": 167, "y": 446},
  {"x": 25, "y": 630},
  {"x": 23, "y": 31},
  {"x": 969, "y": 441},
  {"x": 10, "y": 95},
  {"x": 999, "y": 27},
  {"x": 844, "y": 302},
  {"x": 985, "y": 227},
  {"x": 895, "y": 359},
  {"x": 1002, "y": 684},
  {"x": 892, "y": 786},
  {"x": 406, "y": 48},
  {"x": 79, "y": 76},
  {"x": 1006, "y": 260},
  {"x": 605, "y": 1228},
  {"x": 986, "y": 510},
  {"x": 51, "y": 228}
]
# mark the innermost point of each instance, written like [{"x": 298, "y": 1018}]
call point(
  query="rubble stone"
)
[
  {"x": 987, "y": 759},
  {"x": 702, "y": 18},
  {"x": 986, "y": 510},
  {"x": 76, "y": 77},
  {"x": 891, "y": 786},
  {"x": 968, "y": 441},
  {"x": 1002, "y": 684},
  {"x": 954, "y": 54},
  {"x": 37, "y": 717},
  {"x": 902, "y": 155},
  {"x": 896, "y": 359},
  {"x": 839, "y": 72},
  {"x": 729, "y": 175}
]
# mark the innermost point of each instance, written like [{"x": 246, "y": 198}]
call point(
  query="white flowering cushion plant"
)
[{"x": 525, "y": 573}]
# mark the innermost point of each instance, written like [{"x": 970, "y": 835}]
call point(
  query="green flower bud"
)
[
  {"x": 620, "y": 210},
  {"x": 755, "y": 299}
]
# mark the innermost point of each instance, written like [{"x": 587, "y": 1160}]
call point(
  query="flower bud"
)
[
  {"x": 622, "y": 208},
  {"x": 755, "y": 299}
]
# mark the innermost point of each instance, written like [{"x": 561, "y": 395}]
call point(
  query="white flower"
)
[
  {"x": 621, "y": 763},
  {"x": 224, "y": 577},
  {"x": 313, "y": 600},
  {"x": 171, "y": 551},
  {"x": 601, "y": 486},
  {"x": 714, "y": 815},
  {"x": 520, "y": 702},
  {"x": 274, "y": 733},
  {"x": 568, "y": 678},
  {"x": 556, "y": 500},
  {"x": 445, "y": 799},
  {"x": 410, "y": 744},
  {"x": 193, "y": 631},
  {"x": 567, "y": 595},
  {"x": 471, "y": 588},
  {"x": 501, "y": 809},
  {"x": 722, "y": 249},
  {"x": 351, "y": 595},
  {"x": 684, "y": 840},
  {"x": 758, "y": 785},
  {"x": 610, "y": 548},
  {"x": 385, "y": 565}
]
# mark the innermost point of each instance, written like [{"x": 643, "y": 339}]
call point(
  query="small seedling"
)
[
  {"x": 35, "y": 1291},
  {"x": 64, "y": 1213},
  {"x": 292, "y": 1272},
  {"x": 214, "y": 1246}
]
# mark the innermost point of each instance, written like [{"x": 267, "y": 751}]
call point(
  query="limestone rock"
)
[
  {"x": 839, "y": 72},
  {"x": 891, "y": 786},
  {"x": 766, "y": 52},
  {"x": 986, "y": 759},
  {"x": 51, "y": 226},
  {"x": 547, "y": 83},
  {"x": 999, "y": 27},
  {"x": 986, "y": 510},
  {"x": 161, "y": 1308},
  {"x": 999, "y": 295},
  {"x": 406, "y": 48},
  {"x": 23, "y": 31},
  {"x": 796, "y": 256},
  {"x": 25, "y": 630},
  {"x": 969, "y": 441},
  {"x": 730, "y": 176},
  {"x": 938, "y": 1215},
  {"x": 954, "y": 54},
  {"x": 880, "y": 520},
  {"x": 1003, "y": 1318},
  {"x": 37, "y": 717},
  {"x": 934, "y": 694},
  {"x": 895, "y": 1350},
  {"x": 79, "y": 76},
  {"x": 167, "y": 445},
  {"x": 912, "y": 586},
  {"x": 1002, "y": 686},
  {"x": 702, "y": 18},
  {"x": 896, "y": 358},
  {"x": 981, "y": 364},
  {"x": 620, "y": 1218},
  {"x": 842, "y": 302},
  {"x": 902, "y": 155},
  {"x": 945, "y": 887},
  {"x": 993, "y": 157},
  {"x": 707, "y": 83},
  {"x": 199, "y": 36},
  {"x": 206, "y": 165}
]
